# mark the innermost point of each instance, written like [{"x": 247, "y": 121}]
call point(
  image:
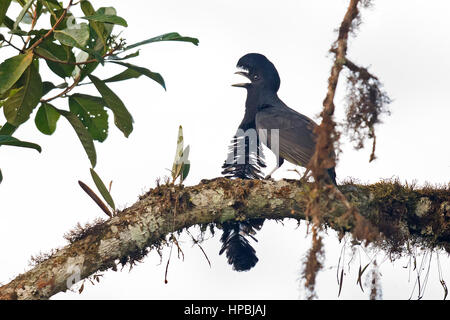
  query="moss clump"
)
[
  {"x": 404, "y": 212},
  {"x": 81, "y": 232}
]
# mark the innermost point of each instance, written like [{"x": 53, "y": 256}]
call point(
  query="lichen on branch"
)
[{"x": 402, "y": 214}]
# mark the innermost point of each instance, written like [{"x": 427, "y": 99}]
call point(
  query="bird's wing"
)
[
  {"x": 296, "y": 136},
  {"x": 245, "y": 156}
]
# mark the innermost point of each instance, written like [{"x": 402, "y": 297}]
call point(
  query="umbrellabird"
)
[
  {"x": 295, "y": 131},
  {"x": 267, "y": 120}
]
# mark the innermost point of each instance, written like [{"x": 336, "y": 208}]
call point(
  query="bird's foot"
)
[{"x": 269, "y": 178}]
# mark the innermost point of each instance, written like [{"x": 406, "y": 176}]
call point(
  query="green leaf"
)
[
  {"x": 56, "y": 14},
  {"x": 185, "y": 171},
  {"x": 128, "y": 56},
  {"x": 11, "y": 70},
  {"x": 98, "y": 28},
  {"x": 22, "y": 101},
  {"x": 4, "y": 5},
  {"x": 39, "y": 32},
  {"x": 152, "y": 75},
  {"x": 186, "y": 165},
  {"x": 39, "y": 7},
  {"x": 11, "y": 141},
  {"x": 45, "y": 53},
  {"x": 124, "y": 75},
  {"x": 82, "y": 133},
  {"x": 52, "y": 4},
  {"x": 122, "y": 118},
  {"x": 106, "y": 18},
  {"x": 8, "y": 22},
  {"x": 48, "y": 86},
  {"x": 91, "y": 112},
  {"x": 22, "y": 13},
  {"x": 9, "y": 92},
  {"x": 78, "y": 38},
  {"x": 173, "y": 36},
  {"x": 102, "y": 189},
  {"x": 88, "y": 69},
  {"x": 107, "y": 26},
  {"x": 95, "y": 54},
  {"x": 18, "y": 32},
  {"x": 46, "y": 118},
  {"x": 7, "y": 129},
  {"x": 21, "y": 2},
  {"x": 54, "y": 51},
  {"x": 73, "y": 37}
]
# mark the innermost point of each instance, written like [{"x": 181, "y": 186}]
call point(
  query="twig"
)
[
  {"x": 33, "y": 23},
  {"x": 45, "y": 36},
  {"x": 10, "y": 43},
  {"x": 178, "y": 247},
  {"x": 68, "y": 89}
]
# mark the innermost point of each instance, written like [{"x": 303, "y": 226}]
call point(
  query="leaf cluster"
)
[{"x": 72, "y": 48}]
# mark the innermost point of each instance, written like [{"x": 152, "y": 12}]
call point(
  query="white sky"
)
[{"x": 405, "y": 42}]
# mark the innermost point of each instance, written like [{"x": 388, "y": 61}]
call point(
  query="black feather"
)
[
  {"x": 247, "y": 165},
  {"x": 240, "y": 254},
  {"x": 244, "y": 165}
]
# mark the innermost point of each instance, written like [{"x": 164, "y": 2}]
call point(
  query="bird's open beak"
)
[{"x": 242, "y": 85}]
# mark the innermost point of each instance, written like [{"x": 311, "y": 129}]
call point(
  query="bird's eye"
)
[{"x": 255, "y": 77}]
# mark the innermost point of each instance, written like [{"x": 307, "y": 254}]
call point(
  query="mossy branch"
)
[{"x": 399, "y": 213}]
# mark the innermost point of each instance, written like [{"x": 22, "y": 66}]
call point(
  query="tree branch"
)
[
  {"x": 400, "y": 213},
  {"x": 326, "y": 131},
  {"x": 365, "y": 74}
]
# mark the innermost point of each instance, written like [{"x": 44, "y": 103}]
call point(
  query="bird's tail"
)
[
  {"x": 239, "y": 252},
  {"x": 246, "y": 165}
]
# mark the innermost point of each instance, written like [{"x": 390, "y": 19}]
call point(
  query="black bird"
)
[
  {"x": 294, "y": 141},
  {"x": 245, "y": 160},
  {"x": 285, "y": 131}
]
